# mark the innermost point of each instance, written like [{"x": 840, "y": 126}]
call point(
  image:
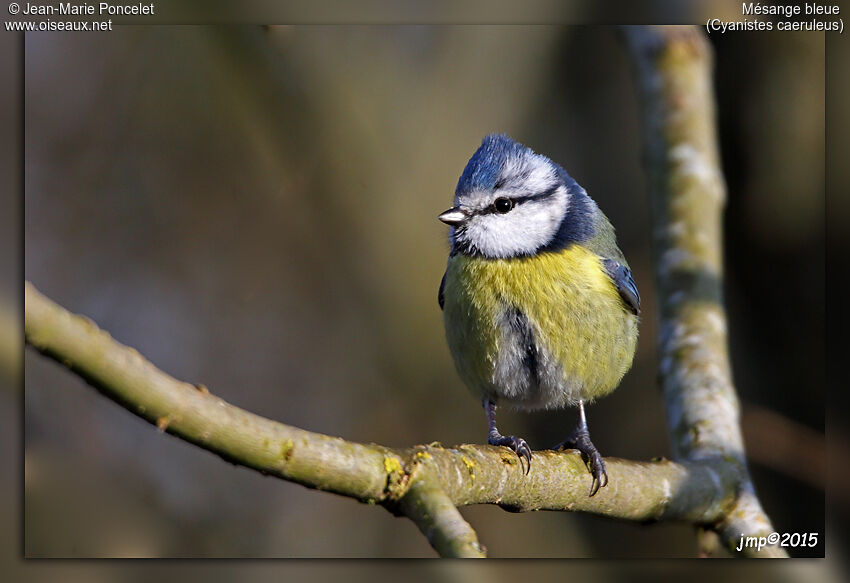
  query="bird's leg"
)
[
  {"x": 580, "y": 439},
  {"x": 517, "y": 444}
]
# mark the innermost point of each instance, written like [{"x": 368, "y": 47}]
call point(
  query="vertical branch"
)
[{"x": 687, "y": 194}]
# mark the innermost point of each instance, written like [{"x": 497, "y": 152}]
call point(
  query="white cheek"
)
[{"x": 522, "y": 231}]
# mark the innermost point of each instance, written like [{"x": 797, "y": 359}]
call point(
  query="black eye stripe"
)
[
  {"x": 518, "y": 200},
  {"x": 539, "y": 196}
]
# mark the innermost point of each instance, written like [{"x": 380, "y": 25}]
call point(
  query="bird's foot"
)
[
  {"x": 517, "y": 444},
  {"x": 580, "y": 440}
]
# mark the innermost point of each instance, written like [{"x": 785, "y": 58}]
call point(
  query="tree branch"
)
[
  {"x": 417, "y": 482},
  {"x": 428, "y": 505},
  {"x": 687, "y": 192}
]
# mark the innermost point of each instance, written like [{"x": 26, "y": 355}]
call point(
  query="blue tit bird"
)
[{"x": 539, "y": 305}]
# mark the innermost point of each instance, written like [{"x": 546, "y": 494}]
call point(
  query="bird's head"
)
[{"x": 512, "y": 202}]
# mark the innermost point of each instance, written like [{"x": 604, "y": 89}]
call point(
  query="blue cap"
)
[{"x": 483, "y": 169}]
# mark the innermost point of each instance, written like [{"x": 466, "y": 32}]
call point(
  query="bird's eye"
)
[{"x": 503, "y": 205}]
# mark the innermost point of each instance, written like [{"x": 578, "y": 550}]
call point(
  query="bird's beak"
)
[{"x": 453, "y": 216}]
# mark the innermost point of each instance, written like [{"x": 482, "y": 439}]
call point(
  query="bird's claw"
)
[
  {"x": 598, "y": 471},
  {"x": 580, "y": 440},
  {"x": 517, "y": 444}
]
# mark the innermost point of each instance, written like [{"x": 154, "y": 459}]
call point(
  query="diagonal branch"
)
[
  {"x": 428, "y": 505},
  {"x": 687, "y": 192},
  {"x": 419, "y": 482}
]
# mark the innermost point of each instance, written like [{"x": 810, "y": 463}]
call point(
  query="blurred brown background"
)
[{"x": 255, "y": 209}]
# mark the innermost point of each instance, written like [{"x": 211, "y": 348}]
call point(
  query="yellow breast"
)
[{"x": 584, "y": 334}]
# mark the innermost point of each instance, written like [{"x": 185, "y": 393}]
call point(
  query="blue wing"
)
[{"x": 626, "y": 286}]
